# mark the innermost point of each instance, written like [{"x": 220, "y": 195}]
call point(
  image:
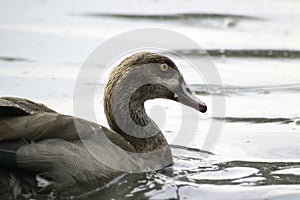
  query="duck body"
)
[
  {"x": 37, "y": 141},
  {"x": 38, "y": 144}
]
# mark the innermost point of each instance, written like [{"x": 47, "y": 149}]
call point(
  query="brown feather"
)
[{"x": 6, "y": 133}]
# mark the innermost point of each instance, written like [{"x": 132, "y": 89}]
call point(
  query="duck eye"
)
[{"x": 164, "y": 67}]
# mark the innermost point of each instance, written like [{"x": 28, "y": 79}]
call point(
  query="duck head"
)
[{"x": 136, "y": 79}]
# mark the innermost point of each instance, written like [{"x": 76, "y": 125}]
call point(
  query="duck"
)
[{"x": 42, "y": 150}]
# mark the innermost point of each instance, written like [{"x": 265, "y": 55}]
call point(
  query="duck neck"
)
[{"x": 130, "y": 120}]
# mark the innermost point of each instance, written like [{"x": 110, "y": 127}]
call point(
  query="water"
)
[{"x": 253, "y": 44}]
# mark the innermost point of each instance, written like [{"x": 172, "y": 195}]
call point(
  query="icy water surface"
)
[{"x": 253, "y": 44}]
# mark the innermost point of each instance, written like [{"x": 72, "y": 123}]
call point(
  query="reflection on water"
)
[{"x": 255, "y": 47}]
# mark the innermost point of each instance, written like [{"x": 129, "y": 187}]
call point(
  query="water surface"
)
[{"x": 253, "y": 44}]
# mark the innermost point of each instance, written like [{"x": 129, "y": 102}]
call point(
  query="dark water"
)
[
  {"x": 173, "y": 183},
  {"x": 194, "y": 178},
  {"x": 255, "y": 48}
]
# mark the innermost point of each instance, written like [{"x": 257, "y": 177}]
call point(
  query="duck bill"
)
[{"x": 184, "y": 96}]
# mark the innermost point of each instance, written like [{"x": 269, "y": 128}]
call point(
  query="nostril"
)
[{"x": 188, "y": 90}]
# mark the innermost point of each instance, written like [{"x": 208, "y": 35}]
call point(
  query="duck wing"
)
[
  {"x": 23, "y": 122},
  {"x": 24, "y": 119}
]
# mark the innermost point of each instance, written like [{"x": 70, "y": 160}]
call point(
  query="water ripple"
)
[
  {"x": 14, "y": 59},
  {"x": 237, "y": 90},
  {"x": 248, "y": 53},
  {"x": 166, "y": 183},
  {"x": 257, "y": 120},
  {"x": 175, "y": 16}
]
